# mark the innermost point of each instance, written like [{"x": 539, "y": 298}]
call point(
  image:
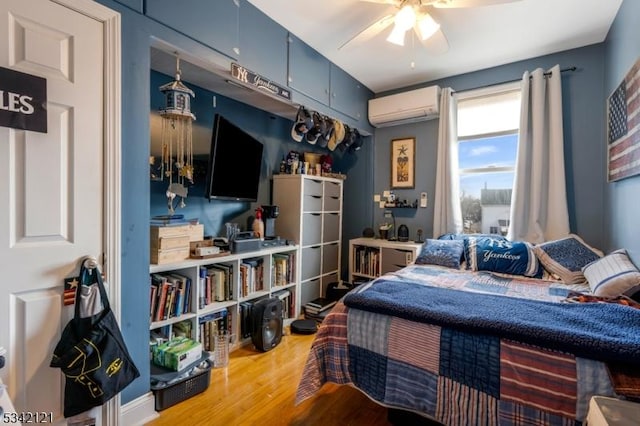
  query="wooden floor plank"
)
[{"x": 258, "y": 388}]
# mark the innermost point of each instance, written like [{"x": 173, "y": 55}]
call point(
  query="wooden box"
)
[
  {"x": 169, "y": 231},
  {"x": 196, "y": 232},
  {"x": 167, "y": 243},
  {"x": 160, "y": 257}
]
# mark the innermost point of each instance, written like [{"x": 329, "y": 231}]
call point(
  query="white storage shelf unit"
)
[
  {"x": 192, "y": 268},
  {"x": 311, "y": 215}
]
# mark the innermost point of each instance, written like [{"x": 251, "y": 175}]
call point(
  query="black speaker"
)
[{"x": 267, "y": 323}]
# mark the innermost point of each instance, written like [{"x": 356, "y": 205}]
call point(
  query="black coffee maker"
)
[{"x": 269, "y": 215}]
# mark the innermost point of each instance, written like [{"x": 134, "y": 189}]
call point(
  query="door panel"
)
[{"x": 51, "y": 185}]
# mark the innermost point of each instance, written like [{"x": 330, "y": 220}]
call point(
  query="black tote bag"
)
[{"x": 92, "y": 355}]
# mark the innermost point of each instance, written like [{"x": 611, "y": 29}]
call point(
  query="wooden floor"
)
[{"x": 259, "y": 389}]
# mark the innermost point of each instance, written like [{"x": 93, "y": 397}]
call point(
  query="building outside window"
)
[{"x": 488, "y": 122}]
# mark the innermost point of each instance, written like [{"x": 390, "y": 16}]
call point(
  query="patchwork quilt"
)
[{"x": 453, "y": 374}]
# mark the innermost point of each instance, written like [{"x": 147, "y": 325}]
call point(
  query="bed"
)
[{"x": 463, "y": 345}]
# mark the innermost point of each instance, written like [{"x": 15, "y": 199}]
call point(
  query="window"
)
[{"x": 488, "y": 121}]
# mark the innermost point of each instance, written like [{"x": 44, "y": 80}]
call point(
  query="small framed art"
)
[{"x": 403, "y": 163}]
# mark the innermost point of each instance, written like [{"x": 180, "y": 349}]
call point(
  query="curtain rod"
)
[{"x": 546, "y": 74}]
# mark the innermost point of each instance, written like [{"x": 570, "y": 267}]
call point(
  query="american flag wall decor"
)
[{"x": 623, "y": 127}]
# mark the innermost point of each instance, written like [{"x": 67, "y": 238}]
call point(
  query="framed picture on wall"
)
[
  {"x": 623, "y": 137},
  {"x": 403, "y": 163}
]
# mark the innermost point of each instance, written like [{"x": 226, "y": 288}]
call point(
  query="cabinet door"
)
[
  {"x": 310, "y": 290},
  {"x": 330, "y": 227},
  {"x": 263, "y": 44},
  {"x": 311, "y": 228},
  {"x": 394, "y": 259},
  {"x": 213, "y": 23},
  {"x": 332, "y": 196},
  {"x": 308, "y": 70},
  {"x": 348, "y": 95},
  {"x": 310, "y": 262},
  {"x": 330, "y": 259}
]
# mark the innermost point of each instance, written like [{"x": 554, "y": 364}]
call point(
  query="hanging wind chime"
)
[{"x": 177, "y": 141}]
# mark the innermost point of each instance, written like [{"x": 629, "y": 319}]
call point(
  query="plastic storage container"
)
[{"x": 171, "y": 387}]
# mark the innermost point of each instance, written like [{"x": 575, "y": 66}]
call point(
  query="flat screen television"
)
[{"x": 235, "y": 159}]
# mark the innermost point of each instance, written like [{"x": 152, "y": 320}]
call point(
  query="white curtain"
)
[
  {"x": 539, "y": 202},
  {"x": 447, "y": 214}
]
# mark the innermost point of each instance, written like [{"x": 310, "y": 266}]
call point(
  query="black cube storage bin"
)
[{"x": 168, "y": 396}]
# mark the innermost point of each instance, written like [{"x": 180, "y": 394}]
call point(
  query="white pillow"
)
[{"x": 612, "y": 275}]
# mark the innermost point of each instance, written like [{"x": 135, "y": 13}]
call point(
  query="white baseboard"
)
[{"x": 139, "y": 411}]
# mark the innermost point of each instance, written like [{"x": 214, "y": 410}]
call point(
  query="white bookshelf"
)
[{"x": 192, "y": 268}]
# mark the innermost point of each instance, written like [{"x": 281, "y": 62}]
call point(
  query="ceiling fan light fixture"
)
[
  {"x": 405, "y": 18},
  {"x": 397, "y": 36},
  {"x": 426, "y": 27}
]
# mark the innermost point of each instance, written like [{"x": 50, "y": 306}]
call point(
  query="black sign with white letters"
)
[
  {"x": 251, "y": 78},
  {"x": 23, "y": 101}
]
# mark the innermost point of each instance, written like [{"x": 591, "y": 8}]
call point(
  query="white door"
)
[{"x": 51, "y": 188}]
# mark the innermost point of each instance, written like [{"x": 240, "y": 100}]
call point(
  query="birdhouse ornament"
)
[{"x": 177, "y": 139}]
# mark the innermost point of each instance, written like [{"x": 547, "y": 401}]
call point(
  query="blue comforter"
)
[{"x": 603, "y": 331}]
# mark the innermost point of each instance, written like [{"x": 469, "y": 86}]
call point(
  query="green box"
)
[{"x": 177, "y": 353}]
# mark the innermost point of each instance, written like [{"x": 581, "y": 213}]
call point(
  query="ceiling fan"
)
[{"x": 408, "y": 14}]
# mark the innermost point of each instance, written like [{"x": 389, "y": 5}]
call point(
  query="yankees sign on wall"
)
[
  {"x": 23, "y": 101},
  {"x": 251, "y": 78}
]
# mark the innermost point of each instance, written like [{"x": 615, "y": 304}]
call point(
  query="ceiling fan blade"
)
[
  {"x": 437, "y": 44},
  {"x": 370, "y": 31},
  {"x": 450, "y": 4}
]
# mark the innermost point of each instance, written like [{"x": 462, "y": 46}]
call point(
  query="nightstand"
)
[{"x": 611, "y": 411}]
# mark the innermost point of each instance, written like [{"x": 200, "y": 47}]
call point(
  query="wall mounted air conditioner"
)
[{"x": 406, "y": 107}]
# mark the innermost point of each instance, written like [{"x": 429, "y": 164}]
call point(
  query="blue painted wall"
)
[
  {"x": 138, "y": 90},
  {"x": 621, "y": 198},
  {"x": 583, "y": 109},
  {"x": 368, "y": 171}
]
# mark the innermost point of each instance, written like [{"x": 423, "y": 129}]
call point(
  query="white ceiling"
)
[{"x": 479, "y": 37}]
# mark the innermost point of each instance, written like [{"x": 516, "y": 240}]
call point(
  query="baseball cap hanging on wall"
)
[
  {"x": 338, "y": 135},
  {"x": 314, "y": 132},
  {"x": 357, "y": 141},
  {"x": 328, "y": 132},
  {"x": 303, "y": 124},
  {"x": 349, "y": 138}
]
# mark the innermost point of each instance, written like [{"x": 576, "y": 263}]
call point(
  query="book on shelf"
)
[
  {"x": 170, "y": 296},
  {"x": 287, "y": 302},
  {"x": 202, "y": 288},
  {"x": 211, "y": 325},
  {"x": 153, "y": 299},
  {"x": 161, "y": 292},
  {"x": 283, "y": 268},
  {"x": 224, "y": 282},
  {"x": 246, "y": 325},
  {"x": 251, "y": 276},
  {"x": 177, "y": 296}
]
